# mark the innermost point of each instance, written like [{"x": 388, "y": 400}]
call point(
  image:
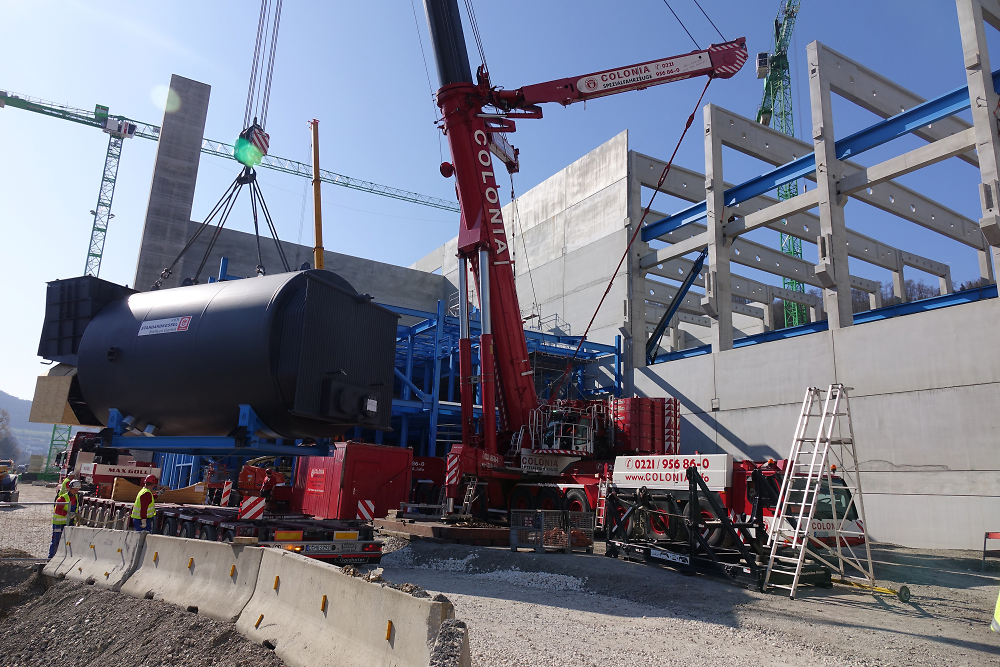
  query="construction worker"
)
[
  {"x": 63, "y": 512},
  {"x": 270, "y": 479},
  {"x": 144, "y": 509}
]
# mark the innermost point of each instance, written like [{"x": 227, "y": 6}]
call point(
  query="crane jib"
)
[{"x": 640, "y": 76}]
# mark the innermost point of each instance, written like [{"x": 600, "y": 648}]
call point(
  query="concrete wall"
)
[
  {"x": 388, "y": 283},
  {"x": 573, "y": 227},
  {"x": 925, "y": 404},
  {"x": 175, "y": 173}
]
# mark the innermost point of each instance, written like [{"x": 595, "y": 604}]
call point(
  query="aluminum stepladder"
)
[{"x": 821, "y": 469}]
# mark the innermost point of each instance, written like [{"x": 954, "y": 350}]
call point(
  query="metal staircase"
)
[{"x": 822, "y": 470}]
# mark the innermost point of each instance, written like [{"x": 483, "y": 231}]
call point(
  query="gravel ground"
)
[
  {"x": 555, "y": 609},
  {"x": 72, "y": 624}
]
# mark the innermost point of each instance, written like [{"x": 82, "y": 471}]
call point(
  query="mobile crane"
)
[{"x": 475, "y": 118}]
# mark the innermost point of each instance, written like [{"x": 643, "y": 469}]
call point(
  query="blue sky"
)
[{"x": 358, "y": 68}]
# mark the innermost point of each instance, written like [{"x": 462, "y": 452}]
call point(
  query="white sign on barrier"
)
[{"x": 670, "y": 472}]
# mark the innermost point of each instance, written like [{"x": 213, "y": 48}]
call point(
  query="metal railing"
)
[{"x": 25, "y": 530}]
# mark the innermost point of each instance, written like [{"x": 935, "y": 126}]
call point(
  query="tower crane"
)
[
  {"x": 120, "y": 128},
  {"x": 776, "y": 111}
]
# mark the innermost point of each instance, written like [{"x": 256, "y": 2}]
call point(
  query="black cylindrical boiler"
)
[{"x": 304, "y": 350}]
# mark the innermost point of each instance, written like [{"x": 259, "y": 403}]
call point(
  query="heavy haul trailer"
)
[
  {"x": 339, "y": 542},
  {"x": 710, "y": 514},
  {"x": 523, "y": 450}
]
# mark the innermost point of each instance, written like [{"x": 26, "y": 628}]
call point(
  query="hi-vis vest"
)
[
  {"x": 995, "y": 625},
  {"x": 60, "y": 513},
  {"x": 137, "y": 507}
]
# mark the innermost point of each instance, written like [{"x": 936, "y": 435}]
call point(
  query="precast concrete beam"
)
[
  {"x": 751, "y": 138},
  {"x": 665, "y": 294},
  {"x": 653, "y": 315},
  {"x": 743, "y": 287},
  {"x": 916, "y": 159},
  {"x": 883, "y": 97},
  {"x": 691, "y": 244}
]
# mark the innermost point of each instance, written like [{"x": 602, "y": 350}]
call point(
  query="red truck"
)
[{"x": 324, "y": 514}]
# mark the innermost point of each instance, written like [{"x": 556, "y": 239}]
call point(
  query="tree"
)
[
  {"x": 9, "y": 448},
  {"x": 974, "y": 284}
]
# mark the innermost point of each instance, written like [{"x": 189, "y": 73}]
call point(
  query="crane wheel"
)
[{"x": 576, "y": 501}]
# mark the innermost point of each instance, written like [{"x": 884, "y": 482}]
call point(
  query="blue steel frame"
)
[
  {"x": 880, "y": 133},
  {"x": 428, "y": 349}
]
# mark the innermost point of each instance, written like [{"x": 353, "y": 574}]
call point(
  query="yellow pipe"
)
[{"x": 317, "y": 207}]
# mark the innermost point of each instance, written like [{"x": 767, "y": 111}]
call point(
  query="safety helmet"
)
[
  {"x": 75, "y": 484},
  {"x": 150, "y": 479}
]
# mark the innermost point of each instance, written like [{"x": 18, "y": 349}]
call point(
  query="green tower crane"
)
[{"x": 776, "y": 111}]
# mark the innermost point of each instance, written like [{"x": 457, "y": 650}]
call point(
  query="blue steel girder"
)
[{"x": 851, "y": 146}]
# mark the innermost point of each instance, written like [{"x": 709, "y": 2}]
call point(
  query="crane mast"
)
[
  {"x": 776, "y": 111},
  {"x": 474, "y": 136}
]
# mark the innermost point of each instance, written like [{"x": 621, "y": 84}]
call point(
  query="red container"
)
[
  {"x": 360, "y": 481},
  {"x": 642, "y": 425}
]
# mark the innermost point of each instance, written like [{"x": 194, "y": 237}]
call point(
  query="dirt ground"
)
[
  {"x": 557, "y": 609},
  {"x": 73, "y": 625}
]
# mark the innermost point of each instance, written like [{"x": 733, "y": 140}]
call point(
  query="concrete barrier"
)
[
  {"x": 105, "y": 558},
  {"x": 217, "y": 578},
  {"x": 312, "y": 615}
]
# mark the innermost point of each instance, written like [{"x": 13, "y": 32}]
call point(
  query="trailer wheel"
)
[
  {"x": 520, "y": 499},
  {"x": 171, "y": 526},
  {"x": 188, "y": 529},
  {"x": 716, "y": 537},
  {"x": 548, "y": 499},
  {"x": 209, "y": 533},
  {"x": 576, "y": 501},
  {"x": 228, "y": 536}
]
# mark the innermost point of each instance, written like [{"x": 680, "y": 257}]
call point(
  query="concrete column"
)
[
  {"x": 899, "y": 285},
  {"x": 875, "y": 300},
  {"x": 175, "y": 173},
  {"x": 634, "y": 309},
  {"x": 718, "y": 300},
  {"x": 832, "y": 269},
  {"x": 768, "y": 320},
  {"x": 972, "y": 17},
  {"x": 944, "y": 284}
]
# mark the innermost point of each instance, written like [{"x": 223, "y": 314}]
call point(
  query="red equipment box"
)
[
  {"x": 360, "y": 481},
  {"x": 646, "y": 425}
]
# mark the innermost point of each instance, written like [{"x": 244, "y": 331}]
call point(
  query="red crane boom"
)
[{"x": 474, "y": 136}]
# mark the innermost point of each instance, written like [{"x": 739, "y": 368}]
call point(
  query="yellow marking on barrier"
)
[
  {"x": 232, "y": 570},
  {"x": 259, "y": 619},
  {"x": 322, "y": 605},
  {"x": 91, "y": 546},
  {"x": 190, "y": 563},
  {"x": 80, "y": 568},
  {"x": 107, "y": 574},
  {"x": 68, "y": 543},
  {"x": 156, "y": 556},
  {"x": 276, "y": 580},
  {"x": 388, "y": 630},
  {"x": 119, "y": 551}
]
